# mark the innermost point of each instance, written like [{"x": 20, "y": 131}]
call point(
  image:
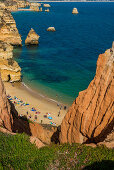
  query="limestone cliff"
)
[
  {"x": 6, "y": 119},
  {"x": 91, "y": 116},
  {"x": 13, "y": 5},
  {"x": 32, "y": 38},
  {"x": 8, "y": 30},
  {"x": 10, "y": 70}
]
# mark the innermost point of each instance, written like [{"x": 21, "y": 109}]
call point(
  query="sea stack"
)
[
  {"x": 47, "y": 5},
  {"x": 51, "y": 29},
  {"x": 46, "y": 10},
  {"x": 91, "y": 116},
  {"x": 32, "y": 38},
  {"x": 74, "y": 11}
]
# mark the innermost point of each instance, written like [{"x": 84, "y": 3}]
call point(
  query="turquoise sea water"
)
[{"x": 64, "y": 63}]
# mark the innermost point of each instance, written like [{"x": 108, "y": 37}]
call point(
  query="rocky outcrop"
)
[
  {"x": 40, "y": 9},
  {"x": 36, "y": 141},
  {"x": 8, "y": 29},
  {"x": 35, "y": 6},
  {"x": 32, "y": 38},
  {"x": 74, "y": 11},
  {"x": 91, "y": 116},
  {"x": 5, "y": 50},
  {"x": 46, "y": 10},
  {"x": 13, "y": 5},
  {"x": 9, "y": 69},
  {"x": 46, "y": 5},
  {"x": 5, "y": 112},
  {"x": 51, "y": 29}
]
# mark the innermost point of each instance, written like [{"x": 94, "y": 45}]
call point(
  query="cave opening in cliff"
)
[{"x": 9, "y": 77}]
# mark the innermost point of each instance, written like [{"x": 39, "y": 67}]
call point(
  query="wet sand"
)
[{"x": 41, "y": 104}]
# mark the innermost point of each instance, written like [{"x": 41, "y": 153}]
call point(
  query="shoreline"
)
[{"x": 45, "y": 108}]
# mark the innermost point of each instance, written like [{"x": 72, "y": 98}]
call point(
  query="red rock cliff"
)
[
  {"x": 91, "y": 116},
  {"x": 5, "y": 114}
]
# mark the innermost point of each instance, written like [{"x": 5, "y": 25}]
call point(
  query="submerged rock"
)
[
  {"x": 32, "y": 38},
  {"x": 74, "y": 11},
  {"x": 51, "y": 29},
  {"x": 91, "y": 116}
]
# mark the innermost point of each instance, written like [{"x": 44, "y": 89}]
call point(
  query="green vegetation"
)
[{"x": 16, "y": 152}]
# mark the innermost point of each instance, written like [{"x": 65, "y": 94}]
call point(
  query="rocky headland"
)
[
  {"x": 8, "y": 30},
  {"x": 9, "y": 68},
  {"x": 13, "y": 5},
  {"x": 91, "y": 116},
  {"x": 32, "y": 38}
]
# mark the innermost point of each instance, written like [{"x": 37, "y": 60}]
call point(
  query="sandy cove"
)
[{"x": 41, "y": 104}]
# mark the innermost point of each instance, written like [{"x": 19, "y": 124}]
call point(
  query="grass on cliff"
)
[{"x": 16, "y": 152}]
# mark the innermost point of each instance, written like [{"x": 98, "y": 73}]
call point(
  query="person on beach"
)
[{"x": 59, "y": 114}]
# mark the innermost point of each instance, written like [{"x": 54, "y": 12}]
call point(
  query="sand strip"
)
[{"x": 41, "y": 104}]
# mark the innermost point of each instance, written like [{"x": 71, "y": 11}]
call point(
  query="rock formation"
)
[
  {"x": 5, "y": 113},
  {"x": 9, "y": 69},
  {"x": 74, "y": 11},
  {"x": 40, "y": 9},
  {"x": 46, "y": 5},
  {"x": 46, "y": 10},
  {"x": 51, "y": 29},
  {"x": 91, "y": 116},
  {"x": 8, "y": 29},
  {"x": 13, "y": 5},
  {"x": 32, "y": 38},
  {"x": 5, "y": 50},
  {"x": 35, "y": 6}
]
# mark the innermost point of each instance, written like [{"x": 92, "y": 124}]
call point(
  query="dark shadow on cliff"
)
[
  {"x": 19, "y": 125},
  {"x": 103, "y": 165},
  {"x": 55, "y": 136},
  {"x": 102, "y": 136}
]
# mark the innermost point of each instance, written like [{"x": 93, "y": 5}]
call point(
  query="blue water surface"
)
[{"x": 64, "y": 63}]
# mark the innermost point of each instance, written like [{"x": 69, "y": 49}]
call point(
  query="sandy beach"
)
[{"x": 34, "y": 105}]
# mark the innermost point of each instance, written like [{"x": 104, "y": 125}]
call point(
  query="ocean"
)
[{"x": 64, "y": 62}]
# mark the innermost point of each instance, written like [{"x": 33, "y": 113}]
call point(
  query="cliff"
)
[
  {"x": 9, "y": 68},
  {"x": 8, "y": 30},
  {"x": 6, "y": 119},
  {"x": 13, "y": 5},
  {"x": 91, "y": 116}
]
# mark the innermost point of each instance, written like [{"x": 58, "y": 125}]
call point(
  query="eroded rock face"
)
[
  {"x": 91, "y": 116},
  {"x": 5, "y": 50},
  {"x": 8, "y": 29},
  {"x": 32, "y": 38},
  {"x": 5, "y": 113},
  {"x": 9, "y": 68}
]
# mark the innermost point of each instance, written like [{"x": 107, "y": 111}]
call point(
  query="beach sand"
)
[{"x": 41, "y": 104}]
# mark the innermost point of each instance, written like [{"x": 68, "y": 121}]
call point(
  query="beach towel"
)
[{"x": 50, "y": 118}]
